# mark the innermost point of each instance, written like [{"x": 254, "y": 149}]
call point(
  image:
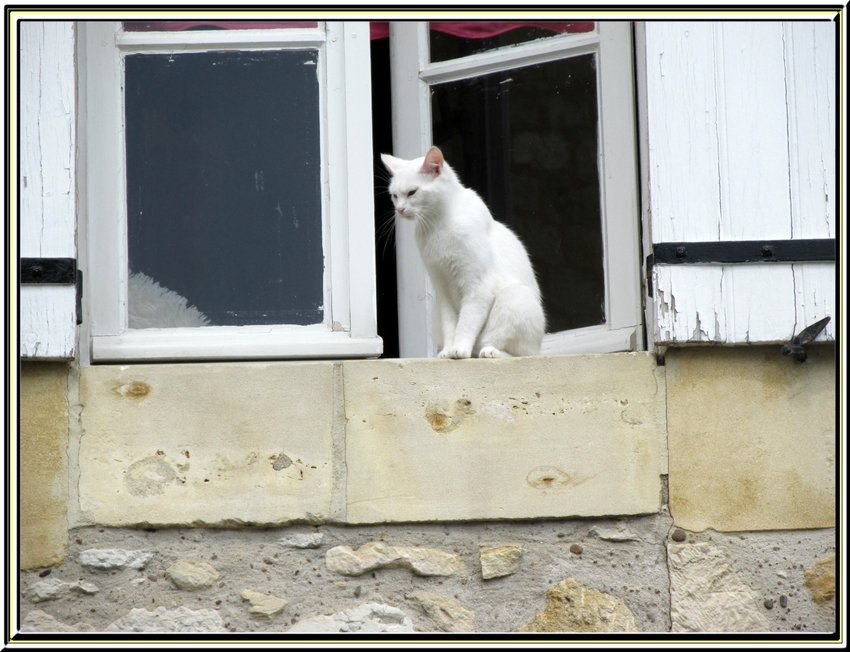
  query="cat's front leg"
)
[
  {"x": 473, "y": 313},
  {"x": 443, "y": 324}
]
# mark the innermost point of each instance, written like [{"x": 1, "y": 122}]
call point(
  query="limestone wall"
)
[{"x": 432, "y": 495}]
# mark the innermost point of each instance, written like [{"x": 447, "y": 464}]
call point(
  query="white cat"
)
[{"x": 488, "y": 302}]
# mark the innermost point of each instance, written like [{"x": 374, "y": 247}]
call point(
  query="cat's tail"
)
[{"x": 516, "y": 324}]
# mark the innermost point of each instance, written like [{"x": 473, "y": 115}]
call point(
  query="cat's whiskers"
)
[{"x": 386, "y": 230}]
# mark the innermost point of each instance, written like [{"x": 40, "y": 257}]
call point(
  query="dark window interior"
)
[
  {"x": 382, "y": 143},
  {"x": 526, "y": 140},
  {"x": 227, "y": 217}
]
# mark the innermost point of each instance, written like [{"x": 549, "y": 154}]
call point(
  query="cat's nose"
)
[{"x": 400, "y": 210}]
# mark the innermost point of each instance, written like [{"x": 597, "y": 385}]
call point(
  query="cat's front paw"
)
[
  {"x": 455, "y": 352},
  {"x": 492, "y": 352}
]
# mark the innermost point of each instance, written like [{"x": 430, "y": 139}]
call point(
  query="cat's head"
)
[{"x": 416, "y": 186}]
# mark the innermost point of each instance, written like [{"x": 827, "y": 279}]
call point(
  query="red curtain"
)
[{"x": 472, "y": 29}]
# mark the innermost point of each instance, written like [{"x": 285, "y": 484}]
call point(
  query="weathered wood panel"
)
[
  {"x": 810, "y": 73},
  {"x": 47, "y": 182},
  {"x": 741, "y": 304},
  {"x": 741, "y": 146}
]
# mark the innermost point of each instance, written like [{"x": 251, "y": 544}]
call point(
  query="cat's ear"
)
[
  {"x": 392, "y": 163},
  {"x": 433, "y": 163}
]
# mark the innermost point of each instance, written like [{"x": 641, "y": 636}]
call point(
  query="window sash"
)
[
  {"x": 413, "y": 75},
  {"x": 350, "y": 328}
]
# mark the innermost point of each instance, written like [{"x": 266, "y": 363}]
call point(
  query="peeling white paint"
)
[
  {"x": 741, "y": 144},
  {"x": 48, "y": 203}
]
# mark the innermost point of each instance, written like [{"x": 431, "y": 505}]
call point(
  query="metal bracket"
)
[{"x": 795, "y": 346}]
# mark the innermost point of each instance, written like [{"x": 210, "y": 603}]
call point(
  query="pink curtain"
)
[
  {"x": 472, "y": 29},
  {"x": 486, "y": 29}
]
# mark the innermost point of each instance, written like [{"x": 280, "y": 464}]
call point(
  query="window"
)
[
  {"x": 539, "y": 119},
  {"x": 229, "y": 210}
]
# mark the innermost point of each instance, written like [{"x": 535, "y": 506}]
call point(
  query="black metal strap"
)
[
  {"x": 745, "y": 251},
  {"x": 742, "y": 251},
  {"x": 58, "y": 271}
]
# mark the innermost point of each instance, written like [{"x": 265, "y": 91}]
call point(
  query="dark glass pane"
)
[
  {"x": 223, "y": 183},
  {"x": 455, "y": 39},
  {"x": 526, "y": 140}
]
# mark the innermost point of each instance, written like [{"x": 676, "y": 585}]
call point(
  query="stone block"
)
[
  {"x": 751, "y": 438},
  {"x": 367, "y": 618},
  {"x": 501, "y": 561},
  {"x": 576, "y": 608},
  {"x": 192, "y": 576},
  {"x": 43, "y": 458},
  {"x": 446, "y": 613},
  {"x": 261, "y": 604},
  {"x": 206, "y": 444},
  {"x": 751, "y": 582},
  {"x": 370, "y": 556},
  {"x": 553, "y": 436}
]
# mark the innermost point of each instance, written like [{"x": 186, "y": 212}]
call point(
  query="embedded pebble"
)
[
  {"x": 576, "y": 549},
  {"x": 679, "y": 535}
]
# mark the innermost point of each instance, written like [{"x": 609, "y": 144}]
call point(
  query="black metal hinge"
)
[
  {"x": 54, "y": 271},
  {"x": 741, "y": 251}
]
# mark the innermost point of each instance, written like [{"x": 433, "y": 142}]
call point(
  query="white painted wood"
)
[
  {"x": 361, "y": 197},
  {"x": 643, "y": 157},
  {"x": 741, "y": 304},
  {"x": 594, "y": 339},
  {"x": 535, "y": 52},
  {"x": 618, "y": 177},
  {"x": 228, "y": 344},
  {"x": 104, "y": 180},
  {"x": 48, "y": 322},
  {"x": 682, "y": 148},
  {"x": 753, "y": 131},
  {"x": 810, "y": 74},
  {"x": 47, "y": 175},
  {"x": 718, "y": 135},
  {"x": 349, "y": 331},
  {"x": 412, "y": 76},
  {"x": 47, "y": 182},
  {"x": 335, "y": 207},
  {"x": 411, "y": 139},
  {"x": 202, "y": 40},
  {"x": 740, "y": 145},
  {"x": 814, "y": 297}
]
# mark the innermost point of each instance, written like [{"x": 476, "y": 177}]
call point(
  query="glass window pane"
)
[
  {"x": 455, "y": 39},
  {"x": 223, "y": 187},
  {"x": 527, "y": 141},
  {"x": 180, "y": 25}
]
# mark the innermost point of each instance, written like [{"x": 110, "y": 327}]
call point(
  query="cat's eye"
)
[
  {"x": 412, "y": 192},
  {"x": 395, "y": 196}
]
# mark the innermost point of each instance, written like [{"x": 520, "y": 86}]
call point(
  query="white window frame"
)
[
  {"x": 350, "y": 325},
  {"x": 412, "y": 74}
]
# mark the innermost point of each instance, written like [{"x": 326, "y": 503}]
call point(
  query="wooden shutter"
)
[
  {"x": 47, "y": 187},
  {"x": 740, "y": 120}
]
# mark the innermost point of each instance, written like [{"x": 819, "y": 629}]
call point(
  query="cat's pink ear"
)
[
  {"x": 392, "y": 163},
  {"x": 433, "y": 163}
]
